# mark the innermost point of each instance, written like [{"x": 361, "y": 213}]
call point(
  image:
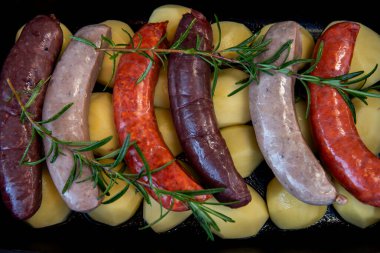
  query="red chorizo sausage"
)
[
  {"x": 338, "y": 141},
  {"x": 134, "y": 114},
  {"x": 194, "y": 116},
  {"x": 31, "y": 60}
]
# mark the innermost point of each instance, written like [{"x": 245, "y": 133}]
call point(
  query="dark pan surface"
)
[{"x": 331, "y": 234}]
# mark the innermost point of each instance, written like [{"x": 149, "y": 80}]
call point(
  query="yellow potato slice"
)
[
  {"x": 356, "y": 212},
  {"x": 161, "y": 93},
  {"x": 242, "y": 144},
  {"x": 122, "y": 209},
  {"x": 153, "y": 212},
  {"x": 101, "y": 122},
  {"x": 233, "y": 110},
  {"x": 368, "y": 122},
  {"x": 232, "y": 34},
  {"x": 53, "y": 209},
  {"x": 167, "y": 129},
  {"x": 287, "y": 212},
  {"x": 249, "y": 219},
  {"x": 169, "y": 12},
  {"x": 304, "y": 123},
  {"x": 119, "y": 36}
]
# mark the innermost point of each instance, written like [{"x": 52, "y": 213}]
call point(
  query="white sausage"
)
[{"x": 72, "y": 82}]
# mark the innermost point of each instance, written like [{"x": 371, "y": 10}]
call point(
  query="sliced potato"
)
[
  {"x": 242, "y": 144},
  {"x": 122, "y": 209},
  {"x": 161, "y": 93},
  {"x": 249, "y": 219},
  {"x": 287, "y": 212},
  {"x": 167, "y": 129},
  {"x": 368, "y": 122},
  {"x": 232, "y": 34},
  {"x": 172, "y": 219},
  {"x": 169, "y": 12},
  {"x": 233, "y": 110},
  {"x": 66, "y": 36},
  {"x": 119, "y": 36},
  {"x": 306, "y": 37},
  {"x": 356, "y": 212},
  {"x": 304, "y": 123},
  {"x": 53, "y": 209},
  {"x": 101, "y": 122}
]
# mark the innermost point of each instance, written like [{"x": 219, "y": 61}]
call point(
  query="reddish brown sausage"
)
[
  {"x": 194, "y": 117},
  {"x": 30, "y": 60},
  {"x": 134, "y": 115},
  {"x": 338, "y": 141}
]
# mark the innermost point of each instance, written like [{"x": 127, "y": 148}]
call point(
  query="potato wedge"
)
[
  {"x": 167, "y": 130},
  {"x": 53, "y": 209},
  {"x": 304, "y": 123},
  {"x": 232, "y": 34},
  {"x": 66, "y": 36},
  {"x": 368, "y": 122},
  {"x": 242, "y": 144},
  {"x": 152, "y": 213},
  {"x": 248, "y": 219},
  {"x": 161, "y": 93},
  {"x": 122, "y": 209},
  {"x": 233, "y": 110},
  {"x": 101, "y": 122},
  {"x": 287, "y": 212},
  {"x": 119, "y": 36},
  {"x": 169, "y": 12},
  {"x": 356, "y": 212}
]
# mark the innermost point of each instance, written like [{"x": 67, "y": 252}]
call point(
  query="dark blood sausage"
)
[
  {"x": 276, "y": 127},
  {"x": 30, "y": 60},
  {"x": 134, "y": 115},
  {"x": 194, "y": 117},
  {"x": 338, "y": 141}
]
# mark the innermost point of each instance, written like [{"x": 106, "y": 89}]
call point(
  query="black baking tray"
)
[{"x": 78, "y": 233}]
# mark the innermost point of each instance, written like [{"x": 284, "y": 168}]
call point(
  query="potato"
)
[
  {"x": 287, "y": 212},
  {"x": 66, "y": 36},
  {"x": 356, "y": 212},
  {"x": 304, "y": 123},
  {"x": 161, "y": 93},
  {"x": 120, "y": 210},
  {"x": 167, "y": 129},
  {"x": 101, "y": 122},
  {"x": 53, "y": 209},
  {"x": 169, "y": 12},
  {"x": 232, "y": 110},
  {"x": 248, "y": 219},
  {"x": 368, "y": 122},
  {"x": 152, "y": 212},
  {"x": 119, "y": 37},
  {"x": 232, "y": 34},
  {"x": 242, "y": 144},
  {"x": 306, "y": 37}
]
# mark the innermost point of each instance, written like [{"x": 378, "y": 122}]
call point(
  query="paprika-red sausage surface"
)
[
  {"x": 277, "y": 131},
  {"x": 333, "y": 127},
  {"x": 72, "y": 82},
  {"x": 30, "y": 60},
  {"x": 134, "y": 115},
  {"x": 194, "y": 117}
]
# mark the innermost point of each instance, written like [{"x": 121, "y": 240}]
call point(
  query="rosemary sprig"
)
[
  {"x": 247, "y": 51},
  {"x": 100, "y": 171}
]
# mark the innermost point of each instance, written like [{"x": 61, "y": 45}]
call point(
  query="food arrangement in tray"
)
[{"x": 190, "y": 109}]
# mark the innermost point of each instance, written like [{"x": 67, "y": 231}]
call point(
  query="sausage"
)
[
  {"x": 333, "y": 127},
  {"x": 135, "y": 116},
  {"x": 194, "y": 116},
  {"x": 30, "y": 60},
  {"x": 277, "y": 131},
  {"x": 72, "y": 82}
]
